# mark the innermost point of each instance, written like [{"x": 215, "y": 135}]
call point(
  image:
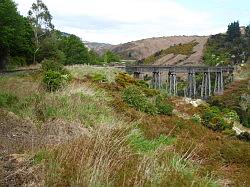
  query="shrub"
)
[
  {"x": 136, "y": 98},
  {"x": 98, "y": 77},
  {"x": 7, "y": 99},
  {"x": 166, "y": 109},
  {"x": 213, "y": 118},
  {"x": 142, "y": 83},
  {"x": 55, "y": 75},
  {"x": 210, "y": 113},
  {"x": 231, "y": 115},
  {"x": 163, "y": 106},
  {"x": 124, "y": 79},
  {"x": 52, "y": 65},
  {"x": 150, "y": 92},
  {"x": 54, "y": 80}
]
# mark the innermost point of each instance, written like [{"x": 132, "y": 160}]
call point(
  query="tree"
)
[
  {"x": 40, "y": 19},
  {"x": 233, "y": 31},
  {"x": 94, "y": 57},
  {"x": 49, "y": 49},
  {"x": 111, "y": 57},
  {"x": 248, "y": 31},
  {"x": 15, "y": 33},
  {"x": 248, "y": 39},
  {"x": 74, "y": 50}
]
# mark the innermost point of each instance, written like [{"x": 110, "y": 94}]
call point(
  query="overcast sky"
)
[{"x": 119, "y": 21}]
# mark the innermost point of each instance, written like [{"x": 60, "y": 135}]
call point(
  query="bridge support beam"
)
[
  {"x": 156, "y": 81},
  {"x": 172, "y": 83},
  {"x": 206, "y": 85},
  {"x": 137, "y": 75},
  {"x": 219, "y": 83},
  {"x": 191, "y": 91}
]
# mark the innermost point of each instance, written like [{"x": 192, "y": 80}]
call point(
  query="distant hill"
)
[
  {"x": 141, "y": 49},
  {"x": 100, "y": 48}
]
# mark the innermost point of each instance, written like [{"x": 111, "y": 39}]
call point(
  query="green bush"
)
[
  {"x": 7, "y": 99},
  {"x": 210, "y": 113},
  {"x": 52, "y": 65},
  {"x": 124, "y": 79},
  {"x": 55, "y": 75},
  {"x": 163, "y": 106},
  {"x": 142, "y": 83},
  {"x": 214, "y": 119},
  {"x": 54, "y": 80},
  {"x": 165, "y": 109},
  {"x": 98, "y": 77},
  {"x": 150, "y": 92},
  {"x": 136, "y": 98},
  {"x": 231, "y": 115},
  {"x": 219, "y": 124}
]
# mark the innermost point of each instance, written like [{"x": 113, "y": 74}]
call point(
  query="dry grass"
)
[
  {"x": 102, "y": 154},
  {"x": 89, "y": 161},
  {"x": 80, "y": 71},
  {"x": 105, "y": 159}
]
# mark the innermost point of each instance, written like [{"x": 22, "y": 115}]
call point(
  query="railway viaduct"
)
[{"x": 206, "y": 87}]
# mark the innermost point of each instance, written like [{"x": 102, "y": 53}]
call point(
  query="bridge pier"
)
[
  {"x": 219, "y": 83},
  {"x": 206, "y": 85},
  {"x": 137, "y": 75},
  {"x": 191, "y": 90},
  {"x": 172, "y": 83},
  {"x": 156, "y": 81}
]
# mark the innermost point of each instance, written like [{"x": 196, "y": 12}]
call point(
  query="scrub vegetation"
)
[{"x": 111, "y": 140}]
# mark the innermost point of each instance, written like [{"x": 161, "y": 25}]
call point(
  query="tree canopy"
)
[
  {"x": 233, "y": 31},
  {"x": 74, "y": 50},
  {"x": 109, "y": 56},
  {"x": 15, "y": 34},
  {"x": 41, "y": 21}
]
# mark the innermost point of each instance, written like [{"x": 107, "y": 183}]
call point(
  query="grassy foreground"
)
[{"x": 86, "y": 135}]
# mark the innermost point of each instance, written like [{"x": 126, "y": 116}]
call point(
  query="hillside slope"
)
[
  {"x": 138, "y": 50},
  {"x": 98, "y": 47},
  {"x": 87, "y": 134}
]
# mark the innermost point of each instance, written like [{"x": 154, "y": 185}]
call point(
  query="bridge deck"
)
[{"x": 178, "y": 69}]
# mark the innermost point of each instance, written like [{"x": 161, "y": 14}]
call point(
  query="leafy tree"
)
[
  {"x": 248, "y": 31},
  {"x": 74, "y": 50},
  {"x": 111, "y": 57},
  {"x": 49, "y": 49},
  {"x": 94, "y": 57},
  {"x": 248, "y": 39},
  {"x": 40, "y": 19},
  {"x": 233, "y": 31},
  {"x": 15, "y": 33},
  {"x": 23, "y": 46}
]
